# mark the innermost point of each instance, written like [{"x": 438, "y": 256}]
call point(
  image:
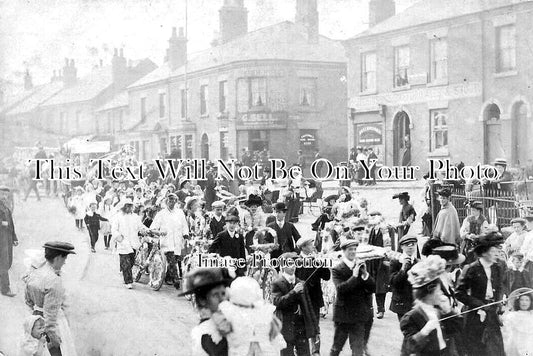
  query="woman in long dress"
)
[{"x": 45, "y": 295}]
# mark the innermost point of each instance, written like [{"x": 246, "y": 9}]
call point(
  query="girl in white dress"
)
[{"x": 518, "y": 324}]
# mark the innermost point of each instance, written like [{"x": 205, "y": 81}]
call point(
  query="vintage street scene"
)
[{"x": 266, "y": 177}]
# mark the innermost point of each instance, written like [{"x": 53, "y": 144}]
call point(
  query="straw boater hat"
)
[
  {"x": 60, "y": 246},
  {"x": 345, "y": 243},
  {"x": 303, "y": 240},
  {"x": 425, "y": 272},
  {"x": 218, "y": 204},
  {"x": 204, "y": 279},
  {"x": 450, "y": 253},
  {"x": 500, "y": 162}
]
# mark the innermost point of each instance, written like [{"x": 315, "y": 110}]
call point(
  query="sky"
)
[{"x": 39, "y": 34}]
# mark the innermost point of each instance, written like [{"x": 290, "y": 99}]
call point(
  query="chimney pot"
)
[{"x": 174, "y": 32}]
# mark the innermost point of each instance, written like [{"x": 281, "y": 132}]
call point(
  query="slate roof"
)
[
  {"x": 85, "y": 89},
  {"x": 428, "y": 11},
  {"x": 39, "y": 95},
  {"x": 282, "y": 41},
  {"x": 120, "y": 100}
]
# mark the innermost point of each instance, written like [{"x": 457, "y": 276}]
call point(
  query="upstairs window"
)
[
  {"x": 368, "y": 72},
  {"x": 183, "y": 108},
  {"x": 203, "y": 99},
  {"x": 222, "y": 93},
  {"x": 439, "y": 129},
  {"x": 505, "y": 48},
  {"x": 162, "y": 108},
  {"x": 307, "y": 91},
  {"x": 439, "y": 60},
  {"x": 257, "y": 92},
  {"x": 401, "y": 66}
]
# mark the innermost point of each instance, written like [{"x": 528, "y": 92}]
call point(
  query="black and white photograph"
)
[{"x": 266, "y": 178}]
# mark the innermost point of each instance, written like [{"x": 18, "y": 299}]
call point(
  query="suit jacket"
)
[
  {"x": 287, "y": 302},
  {"x": 354, "y": 296},
  {"x": 474, "y": 279},
  {"x": 7, "y": 237},
  {"x": 225, "y": 245},
  {"x": 217, "y": 226},
  {"x": 417, "y": 344},
  {"x": 402, "y": 291},
  {"x": 287, "y": 237},
  {"x": 314, "y": 284}
]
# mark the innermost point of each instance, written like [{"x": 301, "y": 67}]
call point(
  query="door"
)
[
  {"x": 521, "y": 132},
  {"x": 493, "y": 140},
  {"x": 402, "y": 139}
]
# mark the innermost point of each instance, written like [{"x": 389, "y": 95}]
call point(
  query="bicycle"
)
[
  {"x": 151, "y": 261},
  {"x": 191, "y": 261}
]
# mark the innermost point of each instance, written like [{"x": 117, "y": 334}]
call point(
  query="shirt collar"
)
[
  {"x": 350, "y": 264},
  {"x": 289, "y": 278},
  {"x": 485, "y": 264}
]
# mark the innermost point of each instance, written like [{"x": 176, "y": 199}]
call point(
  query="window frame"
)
[
  {"x": 364, "y": 88},
  {"x": 433, "y": 62},
  {"x": 438, "y": 129},
  {"x": 311, "y": 99},
  {"x": 204, "y": 100},
  {"x": 397, "y": 68},
  {"x": 499, "y": 50},
  {"x": 223, "y": 96}
]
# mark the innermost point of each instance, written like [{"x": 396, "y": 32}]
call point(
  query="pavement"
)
[{"x": 108, "y": 319}]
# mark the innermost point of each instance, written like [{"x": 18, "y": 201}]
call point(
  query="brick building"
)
[
  {"x": 443, "y": 79},
  {"x": 278, "y": 88}
]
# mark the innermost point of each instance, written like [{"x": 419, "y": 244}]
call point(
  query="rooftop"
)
[
  {"x": 429, "y": 11},
  {"x": 282, "y": 41},
  {"x": 120, "y": 100},
  {"x": 38, "y": 95}
]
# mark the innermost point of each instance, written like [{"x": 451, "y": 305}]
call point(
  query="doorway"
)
[
  {"x": 204, "y": 146},
  {"x": 402, "y": 139}
]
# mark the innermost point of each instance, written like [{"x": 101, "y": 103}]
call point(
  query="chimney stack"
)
[
  {"x": 233, "y": 18},
  {"x": 380, "y": 10},
  {"x": 177, "y": 49},
  {"x": 69, "y": 73},
  {"x": 119, "y": 69},
  {"x": 28, "y": 84}
]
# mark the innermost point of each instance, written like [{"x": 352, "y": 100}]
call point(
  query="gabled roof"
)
[
  {"x": 120, "y": 100},
  {"x": 12, "y": 100},
  {"x": 39, "y": 95},
  {"x": 428, "y": 11},
  {"x": 85, "y": 89},
  {"x": 282, "y": 41}
]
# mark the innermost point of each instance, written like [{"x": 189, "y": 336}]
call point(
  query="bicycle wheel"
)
[
  {"x": 157, "y": 270},
  {"x": 137, "y": 269}
]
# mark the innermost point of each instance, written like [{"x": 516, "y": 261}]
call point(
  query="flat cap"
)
[
  {"x": 445, "y": 192},
  {"x": 60, "y": 246},
  {"x": 349, "y": 243},
  {"x": 519, "y": 220},
  {"x": 231, "y": 218},
  {"x": 303, "y": 240},
  {"x": 280, "y": 207},
  {"x": 407, "y": 239},
  {"x": 403, "y": 195},
  {"x": 218, "y": 204}
]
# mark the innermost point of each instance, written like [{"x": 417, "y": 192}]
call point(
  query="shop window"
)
[
  {"x": 439, "y": 129},
  {"x": 505, "y": 48},
  {"x": 257, "y": 92},
  {"x": 368, "y": 72},
  {"x": 401, "y": 66}
]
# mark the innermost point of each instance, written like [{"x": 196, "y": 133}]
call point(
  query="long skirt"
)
[{"x": 67, "y": 341}]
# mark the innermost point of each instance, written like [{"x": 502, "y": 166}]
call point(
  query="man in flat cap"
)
[
  {"x": 406, "y": 219},
  {"x": 8, "y": 239},
  {"x": 353, "y": 306},
  {"x": 402, "y": 292},
  {"x": 287, "y": 233},
  {"x": 217, "y": 221},
  {"x": 447, "y": 225},
  {"x": 472, "y": 227},
  {"x": 45, "y": 296},
  {"x": 230, "y": 243}
]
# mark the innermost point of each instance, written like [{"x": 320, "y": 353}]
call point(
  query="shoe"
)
[
  {"x": 380, "y": 315},
  {"x": 9, "y": 294},
  {"x": 129, "y": 286},
  {"x": 93, "y": 250}
]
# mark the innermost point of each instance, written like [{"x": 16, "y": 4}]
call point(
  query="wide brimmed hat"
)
[
  {"x": 280, "y": 207},
  {"x": 254, "y": 199},
  {"x": 476, "y": 205},
  {"x": 3, "y": 188},
  {"x": 519, "y": 220},
  {"x": 403, "y": 195},
  {"x": 450, "y": 253},
  {"x": 303, "y": 240},
  {"x": 245, "y": 292},
  {"x": 60, "y": 246},
  {"x": 515, "y": 295},
  {"x": 426, "y": 271},
  {"x": 491, "y": 239},
  {"x": 431, "y": 244},
  {"x": 374, "y": 213},
  {"x": 329, "y": 198},
  {"x": 444, "y": 192},
  {"x": 203, "y": 279}
]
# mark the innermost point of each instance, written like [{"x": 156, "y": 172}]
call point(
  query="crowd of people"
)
[{"x": 452, "y": 294}]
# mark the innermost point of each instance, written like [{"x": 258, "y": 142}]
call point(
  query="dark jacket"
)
[
  {"x": 417, "y": 344},
  {"x": 217, "y": 227},
  {"x": 225, "y": 245},
  {"x": 474, "y": 279},
  {"x": 314, "y": 282},
  {"x": 93, "y": 222},
  {"x": 377, "y": 268},
  {"x": 354, "y": 296},
  {"x": 287, "y": 237},
  {"x": 7, "y": 237},
  {"x": 287, "y": 303},
  {"x": 402, "y": 292}
]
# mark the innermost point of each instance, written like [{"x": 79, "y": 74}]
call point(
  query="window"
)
[
  {"x": 243, "y": 95},
  {"x": 401, "y": 66},
  {"x": 143, "y": 109},
  {"x": 307, "y": 91},
  {"x": 222, "y": 93},
  {"x": 188, "y": 146},
  {"x": 505, "y": 48},
  {"x": 78, "y": 116},
  {"x": 224, "y": 144},
  {"x": 439, "y": 129},
  {"x": 183, "y": 104},
  {"x": 162, "y": 105},
  {"x": 368, "y": 72},
  {"x": 203, "y": 99},
  {"x": 257, "y": 92},
  {"x": 439, "y": 59}
]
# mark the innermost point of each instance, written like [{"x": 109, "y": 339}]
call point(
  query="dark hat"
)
[
  {"x": 172, "y": 195},
  {"x": 280, "y": 207},
  {"x": 521, "y": 221},
  {"x": 358, "y": 227},
  {"x": 403, "y": 195},
  {"x": 3, "y": 188},
  {"x": 528, "y": 217},
  {"x": 430, "y": 245},
  {"x": 407, "y": 239},
  {"x": 182, "y": 183},
  {"x": 349, "y": 243},
  {"x": 500, "y": 162},
  {"x": 233, "y": 218},
  {"x": 518, "y": 254},
  {"x": 445, "y": 192},
  {"x": 477, "y": 205},
  {"x": 450, "y": 253},
  {"x": 491, "y": 239},
  {"x": 330, "y": 198},
  {"x": 374, "y": 213},
  {"x": 60, "y": 246},
  {"x": 254, "y": 199},
  {"x": 204, "y": 279}
]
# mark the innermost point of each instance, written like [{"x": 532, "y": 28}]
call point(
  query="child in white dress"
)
[{"x": 255, "y": 328}]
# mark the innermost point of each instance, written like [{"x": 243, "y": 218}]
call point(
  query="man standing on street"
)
[
  {"x": 8, "y": 239},
  {"x": 407, "y": 217},
  {"x": 286, "y": 231},
  {"x": 402, "y": 291},
  {"x": 353, "y": 306},
  {"x": 230, "y": 243},
  {"x": 447, "y": 226}
]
